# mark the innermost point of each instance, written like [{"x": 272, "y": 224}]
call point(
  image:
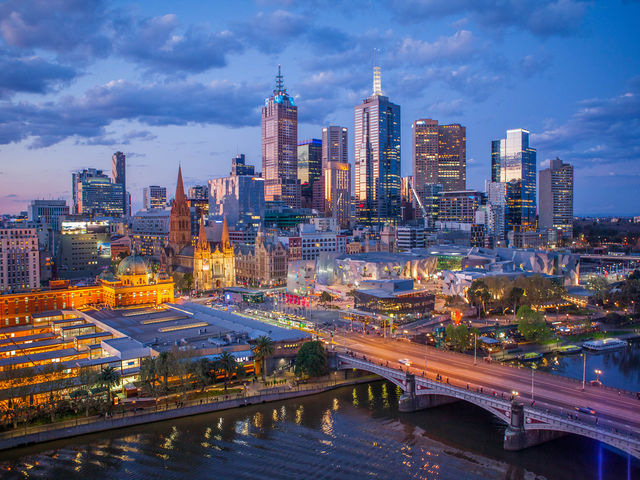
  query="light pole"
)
[
  {"x": 475, "y": 344},
  {"x": 598, "y": 373},
  {"x": 584, "y": 368},
  {"x": 533, "y": 369}
]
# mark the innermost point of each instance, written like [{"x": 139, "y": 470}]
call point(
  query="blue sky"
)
[{"x": 183, "y": 82}]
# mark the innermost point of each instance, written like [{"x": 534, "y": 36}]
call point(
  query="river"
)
[{"x": 349, "y": 433}]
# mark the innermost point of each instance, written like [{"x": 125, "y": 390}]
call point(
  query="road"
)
[{"x": 616, "y": 409}]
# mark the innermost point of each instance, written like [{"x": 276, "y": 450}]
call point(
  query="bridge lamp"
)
[
  {"x": 598, "y": 373},
  {"x": 514, "y": 393}
]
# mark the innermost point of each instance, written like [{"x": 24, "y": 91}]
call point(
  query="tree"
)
[
  {"x": 109, "y": 377},
  {"x": 164, "y": 367},
  {"x": 532, "y": 324},
  {"x": 149, "y": 374},
  {"x": 514, "y": 298},
  {"x": 599, "y": 285},
  {"x": 325, "y": 297},
  {"x": 478, "y": 294},
  {"x": 202, "y": 371},
  {"x": 458, "y": 336},
  {"x": 311, "y": 359},
  {"x": 228, "y": 364},
  {"x": 263, "y": 349}
]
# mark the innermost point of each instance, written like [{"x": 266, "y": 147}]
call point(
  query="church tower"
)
[
  {"x": 223, "y": 261},
  {"x": 180, "y": 219},
  {"x": 202, "y": 261}
]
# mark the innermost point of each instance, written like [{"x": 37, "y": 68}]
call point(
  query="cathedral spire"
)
[
  {"x": 179, "y": 187},
  {"x": 225, "y": 240},
  {"x": 203, "y": 243}
]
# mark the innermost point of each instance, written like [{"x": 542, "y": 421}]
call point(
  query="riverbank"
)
[{"x": 87, "y": 425}]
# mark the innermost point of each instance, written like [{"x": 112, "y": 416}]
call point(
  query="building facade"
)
[
  {"x": 280, "y": 147},
  {"x": 179, "y": 219},
  {"x": 556, "y": 198},
  {"x": 83, "y": 250},
  {"x": 150, "y": 231},
  {"x": 337, "y": 192},
  {"x": 238, "y": 197},
  {"x": 240, "y": 167},
  {"x": 263, "y": 264},
  {"x": 154, "y": 196},
  {"x": 19, "y": 259},
  {"x": 48, "y": 212},
  {"x": 95, "y": 195},
  {"x": 213, "y": 269},
  {"x": 334, "y": 145},
  {"x": 460, "y": 206},
  {"x": 377, "y": 159}
]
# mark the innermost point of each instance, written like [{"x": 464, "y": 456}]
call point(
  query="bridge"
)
[{"x": 500, "y": 390}]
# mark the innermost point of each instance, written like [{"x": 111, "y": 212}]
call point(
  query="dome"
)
[{"x": 133, "y": 265}]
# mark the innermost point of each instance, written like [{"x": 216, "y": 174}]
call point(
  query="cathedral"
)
[{"x": 211, "y": 264}]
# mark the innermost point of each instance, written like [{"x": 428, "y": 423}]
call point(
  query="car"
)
[
  {"x": 587, "y": 410},
  {"x": 405, "y": 361}
]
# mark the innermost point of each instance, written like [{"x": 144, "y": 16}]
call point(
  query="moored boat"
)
[
  {"x": 569, "y": 349},
  {"x": 604, "y": 344}
]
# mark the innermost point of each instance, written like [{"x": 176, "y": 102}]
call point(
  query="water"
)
[
  {"x": 621, "y": 368},
  {"x": 350, "y": 433}
]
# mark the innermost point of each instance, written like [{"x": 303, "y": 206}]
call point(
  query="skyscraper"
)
[
  {"x": 95, "y": 195},
  {"x": 239, "y": 166},
  {"x": 309, "y": 169},
  {"x": 280, "y": 147},
  {"x": 334, "y": 145},
  {"x": 439, "y": 155},
  {"x": 556, "y": 197},
  {"x": 518, "y": 170},
  {"x": 119, "y": 175},
  {"x": 377, "y": 158}
]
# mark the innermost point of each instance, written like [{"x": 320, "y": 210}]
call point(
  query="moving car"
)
[
  {"x": 587, "y": 410},
  {"x": 405, "y": 361}
]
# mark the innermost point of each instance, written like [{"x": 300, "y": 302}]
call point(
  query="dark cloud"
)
[
  {"x": 68, "y": 27},
  {"x": 158, "y": 44},
  {"x": 602, "y": 131},
  {"x": 87, "y": 116},
  {"x": 31, "y": 75},
  {"x": 540, "y": 17}
]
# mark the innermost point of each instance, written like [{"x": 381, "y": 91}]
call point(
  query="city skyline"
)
[{"x": 152, "y": 92}]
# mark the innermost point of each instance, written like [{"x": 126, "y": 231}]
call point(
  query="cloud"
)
[
  {"x": 158, "y": 44},
  {"x": 539, "y": 17},
  {"x": 31, "y": 74},
  {"x": 602, "y": 131},
  {"x": 158, "y": 104},
  {"x": 11, "y": 195},
  {"x": 459, "y": 46},
  {"x": 447, "y": 107},
  {"x": 68, "y": 27},
  {"x": 272, "y": 32}
]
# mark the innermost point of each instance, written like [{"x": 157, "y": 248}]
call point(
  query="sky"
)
[{"x": 172, "y": 83}]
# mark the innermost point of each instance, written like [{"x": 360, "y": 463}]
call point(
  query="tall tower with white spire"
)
[
  {"x": 280, "y": 146},
  {"x": 377, "y": 158}
]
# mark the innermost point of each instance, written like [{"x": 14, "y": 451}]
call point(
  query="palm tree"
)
[
  {"x": 227, "y": 363},
  {"x": 263, "y": 350},
  {"x": 149, "y": 373},
  {"x": 164, "y": 364},
  {"x": 108, "y": 378}
]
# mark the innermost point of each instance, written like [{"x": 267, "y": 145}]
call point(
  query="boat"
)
[
  {"x": 604, "y": 344},
  {"x": 530, "y": 357},
  {"x": 569, "y": 349}
]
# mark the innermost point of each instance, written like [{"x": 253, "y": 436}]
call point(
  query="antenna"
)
[
  {"x": 377, "y": 80},
  {"x": 279, "y": 83}
]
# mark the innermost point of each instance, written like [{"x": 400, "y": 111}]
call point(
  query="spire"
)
[
  {"x": 179, "y": 187},
  {"x": 377, "y": 77},
  {"x": 203, "y": 243},
  {"x": 224, "y": 240},
  {"x": 279, "y": 83}
]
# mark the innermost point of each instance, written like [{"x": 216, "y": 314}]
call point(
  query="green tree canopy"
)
[
  {"x": 459, "y": 336},
  {"x": 262, "y": 350},
  {"x": 532, "y": 325},
  {"x": 311, "y": 359}
]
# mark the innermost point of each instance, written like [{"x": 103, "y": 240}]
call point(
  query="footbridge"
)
[{"x": 528, "y": 423}]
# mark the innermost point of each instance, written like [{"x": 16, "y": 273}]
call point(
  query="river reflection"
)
[{"x": 350, "y": 433}]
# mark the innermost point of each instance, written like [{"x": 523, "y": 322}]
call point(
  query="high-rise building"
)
[
  {"x": 460, "y": 207},
  {"x": 497, "y": 203},
  {"x": 309, "y": 171},
  {"x": 518, "y": 171},
  {"x": 119, "y": 175},
  {"x": 407, "y": 199},
  {"x": 239, "y": 197},
  {"x": 556, "y": 197},
  {"x": 239, "y": 166},
  {"x": 199, "y": 192},
  {"x": 337, "y": 192},
  {"x": 83, "y": 250},
  {"x": 180, "y": 218},
  {"x": 95, "y": 195},
  {"x": 19, "y": 259},
  {"x": 280, "y": 147},
  {"x": 334, "y": 145},
  {"x": 49, "y": 212},
  {"x": 495, "y": 160},
  {"x": 439, "y": 155},
  {"x": 377, "y": 158},
  {"x": 154, "y": 197}
]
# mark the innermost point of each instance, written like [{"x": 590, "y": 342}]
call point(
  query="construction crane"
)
[{"x": 424, "y": 211}]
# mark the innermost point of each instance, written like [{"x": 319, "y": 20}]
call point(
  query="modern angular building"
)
[
  {"x": 555, "y": 207},
  {"x": 119, "y": 175},
  {"x": 95, "y": 195},
  {"x": 377, "y": 159},
  {"x": 154, "y": 196},
  {"x": 334, "y": 145},
  {"x": 309, "y": 169},
  {"x": 518, "y": 170},
  {"x": 239, "y": 197},
  {"x": 280, "y": 147},
  {"x": 439, "y": 155}
]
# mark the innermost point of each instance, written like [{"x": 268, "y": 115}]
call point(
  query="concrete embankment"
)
[{"x": 83, "y": 426}]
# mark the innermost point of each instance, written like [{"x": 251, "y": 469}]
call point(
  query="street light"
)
[
  {"x": 584, "y": 368},
  {"x": 598, "y": 373}
]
